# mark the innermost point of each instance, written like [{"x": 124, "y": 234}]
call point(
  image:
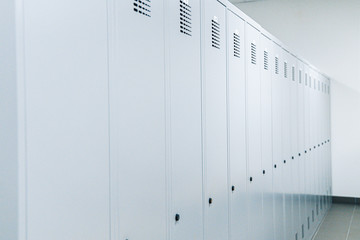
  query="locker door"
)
[
  {"x": 301, "y": 146},
  {"x": 184, "y": 118},
  {"x": 215, "y": 121},
  {"x": 295, "y": 154},
  {"x": 237, "y": 137},
  {"x": 137, "y": 120},
  {"x": 286, "y": 151},
  {"x": 253, "y": 116},
  {"x": 277, "y": 144},
  {"x": 266, "y": 65}
]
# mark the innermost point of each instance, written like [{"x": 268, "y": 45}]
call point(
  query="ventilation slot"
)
[
  {"x": 215, "y": 28},
  {"x": 253, "y": 53},
  {"x": 185, "y": 18},
  {"x": 310, "y": 82},
  {"x": 302, "y": 231},
  {"x": 143, "y": 7},
  {"x": 293, "y": 73},
  {"x": 276, "y": 65},
  {"x": 296, "y": 236},
  {"x": 308, "y": 223},
  {"x": 266, "y": 60},
  {"x": 285, "y": 70},
  {"x": 236, "y": 45},
  {"x": 306, "y": 79},
  {"x": 300, "y": 76}
]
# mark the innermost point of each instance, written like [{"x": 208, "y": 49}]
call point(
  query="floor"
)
[{"x": 341, "y": 223}]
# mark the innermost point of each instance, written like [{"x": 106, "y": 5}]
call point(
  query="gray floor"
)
[{"x": 341, "y": 223}]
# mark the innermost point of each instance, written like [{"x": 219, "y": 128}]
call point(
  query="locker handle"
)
[{"x": 177, "y": 217}]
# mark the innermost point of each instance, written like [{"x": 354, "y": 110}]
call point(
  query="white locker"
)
[
  {"x": 237, "y": 127},
  {"x": 266, "y": 66},
  {"x": 137, "y": 120},
  {"x": 277, "y": 144},
  {"x": 286, "y": 146},
  {"x": 301, "y": 146},
  {"x": 184, "y": 143},
  {"x": 295, "y": 154},
  {"x": 215, "y": 120},
  {"x": 253, "y": 116},
  {"x": 66, "y": 132}
]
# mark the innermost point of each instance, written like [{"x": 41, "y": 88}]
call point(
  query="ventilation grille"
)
[
  {"x": 143, "y": 7},
  {"x": 293, "y": 73},
  {"x": 253, "y": 53},
  {"x": 185, "y": 18},
  {"x": 215, "y": 29},
  {"x": 266, "y": 60},
  {"x": 236, "y": 45},
  {"x": 285, "y": 70},
  {"x": 276, "y": 65},
  {"x": 300, "y": 76}
]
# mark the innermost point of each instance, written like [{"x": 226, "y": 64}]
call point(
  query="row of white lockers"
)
[{"x": 181, "y": 119}]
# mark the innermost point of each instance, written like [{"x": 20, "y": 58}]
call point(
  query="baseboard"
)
[{"x": 346, "y": 200}]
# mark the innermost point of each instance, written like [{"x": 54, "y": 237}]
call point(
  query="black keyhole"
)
[
  {"x": 275, "y": 166},
  {"x": 210, "y": 200},
  {"x": 263, "y": 171},
  {"x": 284, "y": 161},
  {"x": 177, "y": 217},
  {"x": 299, "y": 154},
  {"x": 305, "y": 151},
  {"x": 233, "y": 188},
  {"x": 251, "y": 179},
  {"x": 292, "y": 157}
]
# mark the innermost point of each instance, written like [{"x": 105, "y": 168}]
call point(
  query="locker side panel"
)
[
  {"x": 253, "y": 116},
  {"x": 67, "y": 130},
  {"x": 137, "y": 119},
  {"x": 237, "y": 137},
  {"x": 184, "y": 118},
  {"x": 215, "y": 121}
]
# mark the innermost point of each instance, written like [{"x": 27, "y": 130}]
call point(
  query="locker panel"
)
[
  {"x": 295, "y": 154},
  {"x": 67, "y": 130},
  {"x": 253, "y": 116},
  {"x": 237, "y": 137},
  {"x": 266, "y": 56},
  {"x": 215, "y": 121},
  {"x": 286, "y": 147},
  {"x": 276, "y": 98},
  {"x": 137, "y": 120},
  {"x": 184, "y": 119}
]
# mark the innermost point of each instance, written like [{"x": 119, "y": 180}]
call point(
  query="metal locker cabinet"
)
[
  {"x": 137, "y": 120},
  {"x": 214, "y": 120},
  {"x": 276, "y": 99},
  {"x": 67, "y": 131},
  {"x": 184, "y": 118},
  {"x": 301, "y": 146},
  {"x": 266, "y": 66},
  {"x": 253, "y": 115},
  {"x": 236, "y": 120},
  {"x": 295, "y": 154},
  {"x": 286, "y": 140}
]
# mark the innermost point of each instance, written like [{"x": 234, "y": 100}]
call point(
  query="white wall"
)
[{"x": 327, "y": 34}]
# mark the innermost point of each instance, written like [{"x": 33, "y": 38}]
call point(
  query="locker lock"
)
[
  {"x": 310, "y": 149},
  {"x": 322, "y": 143},
  {"x": 299, "y": 154},
  {"x": 305, "y": 151},
  {"x": 251, "y": 179},
  {"x": 292, "y": 157},
  {"x": 275, "y": 166},
  {"x": 232, "y": 188},
  {"x": 210, "y": 200},
  {"x": 177, "y": 217},
  {"x": 314, "y": 147},
  {"x": 263, "y": 171},
  {"x": 284, "y": 161},
  {"x": 318, "y": 145}
]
